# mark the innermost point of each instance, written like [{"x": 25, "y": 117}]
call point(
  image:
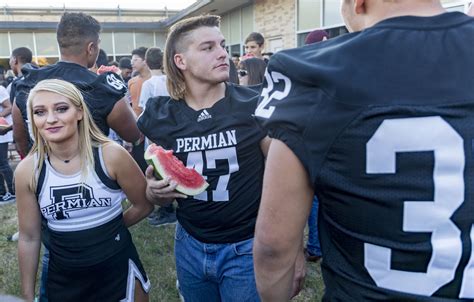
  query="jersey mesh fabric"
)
[
  {"x": 223, "y": 143},
  {"x": 407, "y": 79}
]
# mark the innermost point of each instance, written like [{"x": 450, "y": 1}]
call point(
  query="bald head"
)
[
  {"x": 470, "y": 11},
  {"x": 361, "y": 14}
]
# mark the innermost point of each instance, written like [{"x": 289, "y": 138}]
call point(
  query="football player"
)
[
  {"x": 208, "y": 124},
  {"x": 379, "y": 124}
]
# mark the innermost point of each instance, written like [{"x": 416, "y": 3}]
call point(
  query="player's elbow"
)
[
  {"x": 130, "y": 134},
  {"x": 272, "y": 262},
  {"x": 269, "y": 250}
]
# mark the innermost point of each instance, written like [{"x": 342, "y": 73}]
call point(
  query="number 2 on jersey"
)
[
  {"x": 196, "y": 161},
  {"x": 269, "y": 93},
  {"x": 417, "y": 135}
]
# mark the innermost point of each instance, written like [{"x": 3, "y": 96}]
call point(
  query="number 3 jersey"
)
[
  {"x": 383, "y": 122},
  {"x": 222, "y": 143}
]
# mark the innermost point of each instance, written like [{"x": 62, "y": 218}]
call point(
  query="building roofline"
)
[
  {"x": 11, "y": 10},
  {"x": 186, "y": 12},
  {"x": 218, "y": 7},
  {"x": 116, "y": 26}
]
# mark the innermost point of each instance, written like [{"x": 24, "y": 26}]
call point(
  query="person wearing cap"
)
[{"x": 315, "y": 36}]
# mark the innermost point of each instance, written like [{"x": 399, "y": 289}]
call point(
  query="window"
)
[
  {"x": 46, "y": 44},
  {"x": 106, "y": 42},
  {"x": 235, "y": 26},
  {"x": 309, "y": 14},
  {"x": 160, "y": 40},
  {"x": 124, "y": 43},
  {"x": 22, "y": 40},
  {"x": 144, "y": 39},
  {"x": 4, "y": 45},
  {"x": 332, "y": 13},
  {"x": 247, "y": 21}
]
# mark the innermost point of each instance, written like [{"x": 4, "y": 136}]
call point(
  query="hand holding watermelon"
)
[{"x": 174, "y": 179}]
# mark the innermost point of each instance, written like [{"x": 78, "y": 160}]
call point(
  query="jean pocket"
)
[
  {"x": 243, "y": 247},
  {"x": 180, "y": 233}
]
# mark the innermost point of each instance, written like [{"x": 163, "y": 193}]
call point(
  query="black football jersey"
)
[
  {"x": 15, "y": 81},
  {"x": 101, "y": 92},
  {"x": 222, "y": 144},
  {"x": 383, "y": 122}
]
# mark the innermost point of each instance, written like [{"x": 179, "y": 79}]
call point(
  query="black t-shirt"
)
[
  {"x": 101, "y": 93},
  {"x": 383, "y": 122},
  {"x": 221, "y": 143}
]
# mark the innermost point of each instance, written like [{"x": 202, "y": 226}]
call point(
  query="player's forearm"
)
[
  {"x": 21, "y": 140},
  {"x": 136, "y": 213},
  {"x": 274, "y": 270},
  {"x": 28, "y": 255}
]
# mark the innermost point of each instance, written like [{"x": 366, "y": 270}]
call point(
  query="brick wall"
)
[{"x": 276, "y": 19}]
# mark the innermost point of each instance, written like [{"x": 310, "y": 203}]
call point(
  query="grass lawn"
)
[{"x": 155, "y": 247}]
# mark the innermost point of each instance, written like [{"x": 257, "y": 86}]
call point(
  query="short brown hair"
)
[
  {"x": 255, "y": 37},
  {"x": 175, "y": 79},
  {"x": 154, "y": 58}
]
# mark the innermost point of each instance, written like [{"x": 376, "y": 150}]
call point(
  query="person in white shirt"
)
[
  {"x": 6, "y": 173},
  {"x": 156, "y": 85}
]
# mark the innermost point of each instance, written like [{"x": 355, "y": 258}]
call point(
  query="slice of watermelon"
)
[
  {"x": 4, "y": 123},
  {"x": 102, "y": 69},
  {"x": 190, "y": 182}
]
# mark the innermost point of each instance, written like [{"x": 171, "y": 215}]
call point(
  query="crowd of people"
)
[{"x": 366, "y": 135}]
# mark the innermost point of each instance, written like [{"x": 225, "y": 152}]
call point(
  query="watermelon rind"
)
[
  {"x": 4, "y": 123},
  {"x": 160, "y": 173}
]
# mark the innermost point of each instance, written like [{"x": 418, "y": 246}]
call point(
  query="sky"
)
[{"x": 132, "y": 4}]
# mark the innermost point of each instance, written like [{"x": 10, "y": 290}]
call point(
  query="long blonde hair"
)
[
  {"x": 174, "y": 44},
  {"x": 89, "y": 134}
]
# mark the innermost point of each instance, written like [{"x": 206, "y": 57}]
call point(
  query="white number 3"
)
[{"x": 416, "y": 135}]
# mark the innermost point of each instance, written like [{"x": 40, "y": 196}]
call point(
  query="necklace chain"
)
[{"x": 66, "y": 161}]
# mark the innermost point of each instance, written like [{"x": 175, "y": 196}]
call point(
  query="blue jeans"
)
[
  {"x": 5, "y": 170},
  {"x": 214, "y": 272},
  {"x": 43, "y": 297},
  {"x": 313, "y": 246}
]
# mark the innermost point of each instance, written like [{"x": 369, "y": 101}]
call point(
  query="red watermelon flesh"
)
[
  {"x": 102, "y": 69},
  {"x": 190, "y": 182},
  {"x": 4, "y": 122}
]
